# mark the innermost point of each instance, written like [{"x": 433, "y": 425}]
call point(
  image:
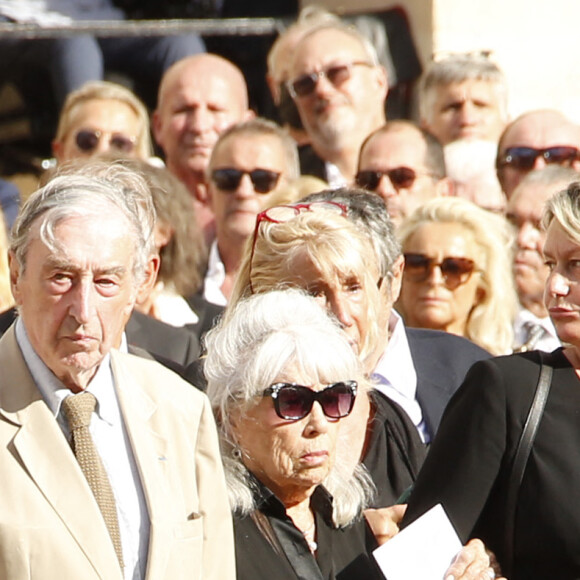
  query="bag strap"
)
[{"x": 521, "y": 459}]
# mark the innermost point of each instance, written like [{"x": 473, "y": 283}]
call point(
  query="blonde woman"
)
[{"x": 457, "y": 275}]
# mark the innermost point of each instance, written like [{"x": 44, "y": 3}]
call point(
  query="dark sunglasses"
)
[
  {"x": 282, "y": 213},
  {"x": 87, "y": 140},
  {"x": 524, "y": 158},
  {"x": 228, "y": 179},
  {"x": 400, "y": 177},
  {"x": 455, "y": 271},
  {"x": 293, "y": 402},
  {"x": 337, "y": 74}
]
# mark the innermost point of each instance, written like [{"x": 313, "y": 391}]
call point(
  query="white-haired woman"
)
[{"x": 282, "y": 376}]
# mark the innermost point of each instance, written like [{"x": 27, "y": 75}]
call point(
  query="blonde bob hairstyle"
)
[
  {"x": 101, "y": 91},
  {"x": 279, "y": 335},
  {"x": 335, "y": 246},
  {"x": 490, "y": 321},
  {"x": 564, "y": 207}
]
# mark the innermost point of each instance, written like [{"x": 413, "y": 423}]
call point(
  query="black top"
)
[
  {"x": 342, "y": 554},
  {"x": 471, "y": 457},
  {"x": 394, "y": 451}
]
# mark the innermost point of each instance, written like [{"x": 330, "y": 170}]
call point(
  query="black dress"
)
[
  {"x": 343, "y": 553},
  {"x": 470, "y": 460}
]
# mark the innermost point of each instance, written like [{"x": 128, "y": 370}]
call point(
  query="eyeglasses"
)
[
  {"x": 455, "y": 271},
  {"x": 524, "y": 158},
  {"x": 337, "y": 74},
  {"x": 228, "y": 179},
  {"x": 282, "y": 213},
  {"x": 400, "y": 177},
  {"x": 88, "y": 140},
  {"x": 293, "y": 402}
]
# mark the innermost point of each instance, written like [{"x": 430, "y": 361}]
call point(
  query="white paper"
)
[{"x": 422, "y": 551}]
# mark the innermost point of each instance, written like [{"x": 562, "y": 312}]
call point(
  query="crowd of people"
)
[{"x": 242, "y": 357}]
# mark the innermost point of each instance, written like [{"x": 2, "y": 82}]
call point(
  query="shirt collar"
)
[{"x": 53, "y": 391}]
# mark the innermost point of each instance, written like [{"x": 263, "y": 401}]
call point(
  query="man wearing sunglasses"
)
[
  {"x": 340, "y": 91},
  {"x": 250, "y": 162},
  {"x": 404, "y": 165},
  {"x": 533, "y": 141},
  {"x": 417, "y": 368}
]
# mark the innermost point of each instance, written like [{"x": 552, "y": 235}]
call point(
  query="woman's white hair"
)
[{"x": 264, "y": 337}]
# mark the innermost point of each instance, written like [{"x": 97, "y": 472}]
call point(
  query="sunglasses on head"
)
[
  {"x": 455, "y": 271},
  {"x": 524, "y": 158},
  {"x": 337, "y": 74},
  {"x": 282, "y": 213},
  {"x": 88, "y": 140},
  {"x": 400, "y": 177},
  {"x": 229, "y": 178},
  {"x": 293, "y": 402}
]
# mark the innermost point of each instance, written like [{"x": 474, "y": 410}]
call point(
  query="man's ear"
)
[
  {"x": 15, "y": 273},
  {"x": 56, "y": 150},
  {"x": 397, "y": 278},
  {"x": 156, "y": 126},
  {"x": 151, "y": 271}
]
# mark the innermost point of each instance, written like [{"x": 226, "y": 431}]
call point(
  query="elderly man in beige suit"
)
[{"x": 136, "y": 491}]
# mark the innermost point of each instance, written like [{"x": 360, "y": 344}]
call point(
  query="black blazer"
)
[
  {"x": 310, "y": 163},
  {"x": 470, "y": 461},
  {"x": 441, "y": 361}
]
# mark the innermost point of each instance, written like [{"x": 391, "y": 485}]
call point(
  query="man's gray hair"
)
[
  {"x": 458, "y": 68},
  {"x": 369, "y": 213},
  {"x": 264, "y": 338},
  {"x": 263, "y": 127},
  {"x": 116, "y": 188}
]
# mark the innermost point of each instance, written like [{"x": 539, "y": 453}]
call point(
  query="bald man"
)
[
  {"x": 199, "y": 97},
  {"x": 534, "y": 140}
]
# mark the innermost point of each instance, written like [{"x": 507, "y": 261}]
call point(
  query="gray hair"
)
[
  {"x": 265, "y": 336},
  {"x": 95, "y": 192},
  {"x": 369, "y": 213},
  {"x": 263, "y": 127},
  {"x": 564, "y": 207},
  {"x": 458, "y": 68}
]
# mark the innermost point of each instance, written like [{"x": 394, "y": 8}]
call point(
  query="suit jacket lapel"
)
[
  {"x": 150, "y": 449},
  {"x": 44, "y": 452}
]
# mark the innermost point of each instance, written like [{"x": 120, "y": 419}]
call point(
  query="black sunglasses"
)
[
  {"x": 337, "y": 74},
  {"x": 229, "y": 178},
  {"x": 87, "y": 140},
  {"x": 455, "y": 271},
  {"x": 524, "y": 158},
  {"x": 293, "y": 402},
  {"x": 401, "y": 178}
]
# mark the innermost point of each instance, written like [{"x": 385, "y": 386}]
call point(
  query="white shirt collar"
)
[{"x": 215, "y": 277}]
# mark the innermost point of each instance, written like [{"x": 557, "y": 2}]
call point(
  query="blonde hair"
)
[
  {"x": 100, "y": 91},
  {"x": 334, "y": 245},
  {"x": 490, "y": 321},
  {"x": 6, "y": 298}
]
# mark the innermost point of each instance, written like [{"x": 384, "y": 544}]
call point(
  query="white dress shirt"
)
[
  {"x": 395, "y": 375},
  {"x": 547, "y": 342},
  {"x": 215, "y": 277},
  {"x": 111, "y": 439}
]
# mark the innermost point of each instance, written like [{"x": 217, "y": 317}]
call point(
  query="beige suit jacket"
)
[{"x": 50, "y": 524}]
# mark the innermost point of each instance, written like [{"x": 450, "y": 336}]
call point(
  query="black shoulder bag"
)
[{"x": 521, "y": 459}]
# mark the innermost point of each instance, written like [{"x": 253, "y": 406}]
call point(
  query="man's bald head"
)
[
  {"x": 536, "y": 130},
  {"x": 199, "y": 97}
]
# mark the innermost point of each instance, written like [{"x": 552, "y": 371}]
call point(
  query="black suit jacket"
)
[
  {"x": 310, "y": 163},
  {"x": 167, "y": 344},
  {"x": 470, "y": 461},
  {"x": 441, "y": 361}
]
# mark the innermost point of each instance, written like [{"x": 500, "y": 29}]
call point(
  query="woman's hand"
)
[
  {"x": 473, "y": 563},
  {"x": 384, "y": 522}
]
